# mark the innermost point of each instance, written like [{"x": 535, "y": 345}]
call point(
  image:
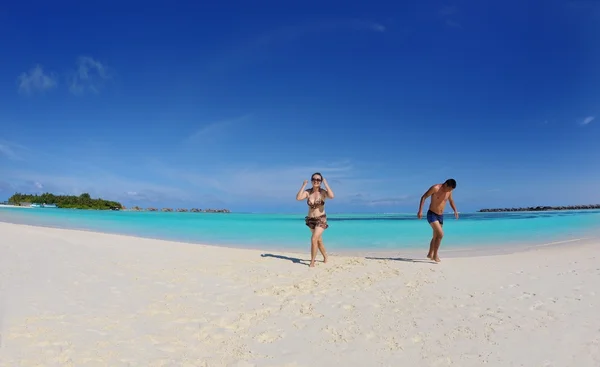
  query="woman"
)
[{"x": 316, "y": 219}]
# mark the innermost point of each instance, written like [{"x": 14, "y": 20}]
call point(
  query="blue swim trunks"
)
[{"x": 432, "y": 217}]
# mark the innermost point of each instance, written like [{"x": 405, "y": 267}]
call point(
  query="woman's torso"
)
[{"x": 316, "y": 203}]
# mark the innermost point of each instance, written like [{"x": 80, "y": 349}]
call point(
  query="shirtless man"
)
[{"x": 440, "y": 193}]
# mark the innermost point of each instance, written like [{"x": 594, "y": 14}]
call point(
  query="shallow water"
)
[{"x": 351, "y": 232}]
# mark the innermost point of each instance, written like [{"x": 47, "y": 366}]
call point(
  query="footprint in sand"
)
[
  {"x": 370, "y": 335},
  {"x": 306, "y": 309},
  {"x": 268, "y": 337},
  {"x": 241, "y": 364},
  {"x": 537, "y": 306},
  {"x": 335, "y": 335},
  {"x": 526, "y": 295},
  {"x": 417, "y": 339}
]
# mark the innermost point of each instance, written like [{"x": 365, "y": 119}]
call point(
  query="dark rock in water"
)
[{"x": 540, "y": 208}]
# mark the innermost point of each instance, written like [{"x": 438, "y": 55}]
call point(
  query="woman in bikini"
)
[{"x": 316, "y": 219}]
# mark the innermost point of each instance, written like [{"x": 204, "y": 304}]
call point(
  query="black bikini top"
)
[{"x": 319, "y": 202}]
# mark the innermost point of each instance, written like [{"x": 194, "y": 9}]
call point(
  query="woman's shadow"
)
[{"x": 295, "y": 260}]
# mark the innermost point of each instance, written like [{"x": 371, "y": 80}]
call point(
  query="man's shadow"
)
[
  {"x": 295, "y": 260},
  {"x": 427, "y": 261}
]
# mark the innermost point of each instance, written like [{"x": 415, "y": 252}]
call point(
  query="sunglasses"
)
[{"x": 316, "y": 180}]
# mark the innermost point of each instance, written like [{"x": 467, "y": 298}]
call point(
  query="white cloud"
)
[
  {"x": 36, "y": 80},
  {"x": 587, "y": 120},
  {"x": 448, "y": 13},
  {"x": 370, "y": 200},
  {"x": 12, "y": 150},
  {"x": 210, "y": 132},
  {"x": 453, "y": 24},
  {"x": 378, "y": 27},
  {"x": 250, "y": 49},
  {"x": 276, "y": 184},
  {"x": 263, "y": 185},
  {"x": 7, "y": 151},
  {"x": 218, "y": 185},
  {"x": 296, "y": 30},
  {"x": 90, "y": 75}
]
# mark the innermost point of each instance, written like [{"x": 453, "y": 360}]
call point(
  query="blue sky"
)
[{"x": 234, "y": 105}]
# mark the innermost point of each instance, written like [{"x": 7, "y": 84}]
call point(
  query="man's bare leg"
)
[
  {"x": 322, "y": 249},
  {"x": 438, "y": 234},
  {"x": 437, "y": 242},
  {"x": 430, "y": 253}
]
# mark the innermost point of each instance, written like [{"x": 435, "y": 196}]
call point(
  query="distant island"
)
[
  {"x": 541, "y": 208},
  {"x": 83, "y": 201}
]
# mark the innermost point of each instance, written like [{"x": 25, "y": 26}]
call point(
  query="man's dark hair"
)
[{"x": 450, "y": 183}]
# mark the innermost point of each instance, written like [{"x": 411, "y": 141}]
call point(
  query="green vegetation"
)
[{"x": 83, "y": 201}]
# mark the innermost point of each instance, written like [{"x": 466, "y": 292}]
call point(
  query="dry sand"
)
[{"x": 73, "y": 298}]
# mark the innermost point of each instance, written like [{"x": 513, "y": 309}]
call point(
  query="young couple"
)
[{"x": 316, "y": 220}]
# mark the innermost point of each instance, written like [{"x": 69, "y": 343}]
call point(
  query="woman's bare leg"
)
[
  {"x": 322, "y": 249},
  {"x": 314, "y": 244}
]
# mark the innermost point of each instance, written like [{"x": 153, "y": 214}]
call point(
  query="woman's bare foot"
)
[
  {"x": 312, "y": 264},
  {"x": 325, "y": 259},
  {"x": 437, "y": 259},
  {"x": 430, "y": 256}
]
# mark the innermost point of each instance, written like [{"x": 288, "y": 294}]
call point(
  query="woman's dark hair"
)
[{"x": 316, "y": 173}]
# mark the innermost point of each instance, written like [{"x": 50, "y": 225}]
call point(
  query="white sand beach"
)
[
  {"x": 74, "y": 298},
  {"x": 14, "y": 206}
]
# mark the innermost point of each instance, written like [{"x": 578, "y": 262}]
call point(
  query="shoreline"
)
[
  {"x": 417, "y": 253},
  {"x": 15, "y": 206}
]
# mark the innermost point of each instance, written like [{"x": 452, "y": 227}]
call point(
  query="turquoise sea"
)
[{"x": 347, "y": 232}]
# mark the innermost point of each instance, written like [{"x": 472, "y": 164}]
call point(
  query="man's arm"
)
[
  {"x": 427, "y": 194},
  {"x": 451, "y": 200}
]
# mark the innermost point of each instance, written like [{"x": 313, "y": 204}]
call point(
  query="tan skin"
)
[
  {"x": 440, "y": 194},
  {"x": 313, "y": 195}
]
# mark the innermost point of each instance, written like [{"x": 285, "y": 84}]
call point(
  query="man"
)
[{"x": 440, "y": 193}]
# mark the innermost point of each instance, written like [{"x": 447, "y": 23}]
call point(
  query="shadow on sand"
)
[
  {"x": 426, "y": 261},
  {"x": 295, "y": 260}
]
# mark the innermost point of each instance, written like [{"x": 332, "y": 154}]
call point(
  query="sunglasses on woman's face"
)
[{"x": 316, "y": 180}]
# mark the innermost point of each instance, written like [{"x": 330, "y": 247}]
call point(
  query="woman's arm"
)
[
  {"x": 330, "y": 194},
  {"x": 301, "y": 195}
]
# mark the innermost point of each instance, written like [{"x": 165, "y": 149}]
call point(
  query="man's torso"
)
[{"x": 438, "y": 200}]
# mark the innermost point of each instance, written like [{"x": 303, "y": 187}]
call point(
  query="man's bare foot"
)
[
  {"x": 430, "y": 256},
  {"x": 436, "y": 259}
]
